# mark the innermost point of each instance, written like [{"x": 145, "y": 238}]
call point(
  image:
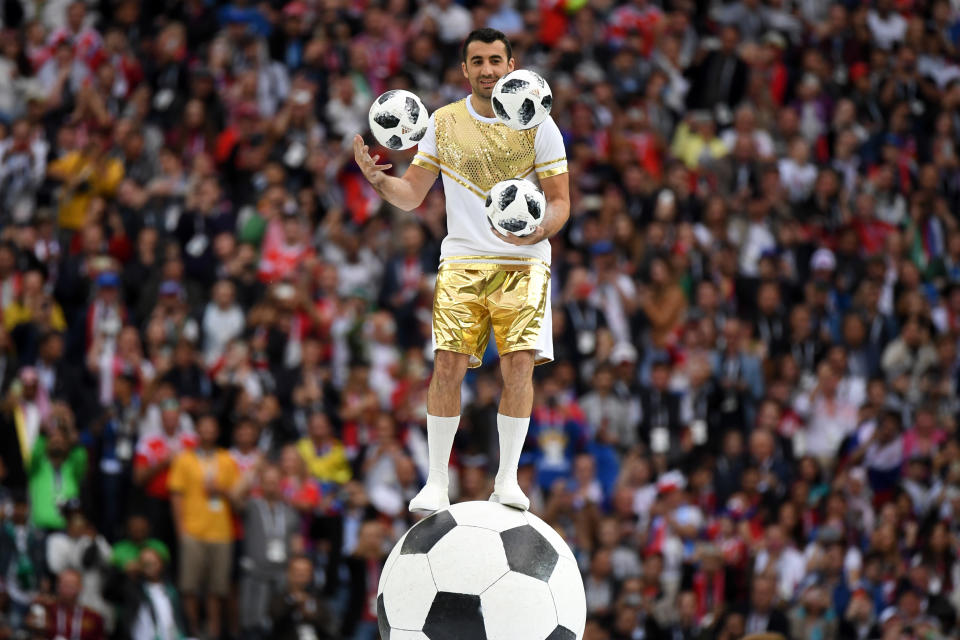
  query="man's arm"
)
[
  {"x": 404, "y": 193},
  {"x": 557, "y": 191}
]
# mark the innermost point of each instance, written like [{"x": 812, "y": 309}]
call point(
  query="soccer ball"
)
[
  {"x": 522, "y": 99},
  {"x": 516, "y": 206},
  {"x": 398, "y": 119},
  {"x": 481, "y": 571}
]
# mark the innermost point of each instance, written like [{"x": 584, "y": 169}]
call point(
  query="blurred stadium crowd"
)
[{"x": 214, "y": 344}]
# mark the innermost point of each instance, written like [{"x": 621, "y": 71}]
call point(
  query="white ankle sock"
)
[
  {"x": 513, "y": 433},
  {"x": 440, "y": 433}
]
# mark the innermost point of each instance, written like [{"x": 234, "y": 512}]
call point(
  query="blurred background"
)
[{"x": 751, "y": 423}]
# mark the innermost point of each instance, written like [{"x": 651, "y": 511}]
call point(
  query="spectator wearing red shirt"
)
[
  {"x": 66, "y": 617},
  {"x": 285, "y": 248},
  {"x": 151, "y": 466}
]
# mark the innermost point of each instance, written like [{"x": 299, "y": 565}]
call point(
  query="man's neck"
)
[{"x": 481, "y": 106}]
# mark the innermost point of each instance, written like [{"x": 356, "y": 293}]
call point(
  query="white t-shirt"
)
[
  {"x": 473, "y": 153},
  {"x": 887, "y": 31}
]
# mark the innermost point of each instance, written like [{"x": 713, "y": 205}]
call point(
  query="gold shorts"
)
[{"x": 511, "y": 297}]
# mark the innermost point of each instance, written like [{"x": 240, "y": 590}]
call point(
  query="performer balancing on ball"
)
[{"x": 485, "y": 279}]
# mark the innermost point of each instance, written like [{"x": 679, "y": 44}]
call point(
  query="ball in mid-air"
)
[
  {"x": 481, "y": 571},
  {"x": 398, "y": 119},
  {"x": 522, "y": 99},
  {"x": 516, "y": 206}
]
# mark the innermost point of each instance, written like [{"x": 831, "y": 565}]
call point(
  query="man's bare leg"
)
[
  {"x": 513, "y": 419},
  {"x": 443, "y": 418}
]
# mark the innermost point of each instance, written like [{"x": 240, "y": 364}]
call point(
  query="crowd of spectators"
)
[{"x": 215, "y": 338}]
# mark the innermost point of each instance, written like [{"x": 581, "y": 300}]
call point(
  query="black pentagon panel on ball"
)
[
  {"x": 455, "y": 615},
  {"x": 507, "y": 196},
  {"x": 427, "y": 532},
  {"x": 417, "y": 136},
  {"x": 561, "y": 633},
  {"x": 501, "y": 112},
  {"x": 386, "y": 96},
  {"x": 382, "y": 621},
  {"x": 529, "y": 553},
  {"x": 489, "y": 201},
  {"x": 527, "y": 111},
  {"x": 513, "y": 225},
  {"x": 514, "y": 85},
  {"x": 386, "y": 120},
  {"x": 533, "y": 206},
  {"x": 394, "y": 142},
  {"x": 413, "y": 110},
  {"x": 547, "y": 102}
]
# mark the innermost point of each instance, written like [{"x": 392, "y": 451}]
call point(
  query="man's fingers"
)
[{"x": 375, "y": 158}]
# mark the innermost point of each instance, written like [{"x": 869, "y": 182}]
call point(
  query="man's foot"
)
[
  {"x": 432, "y": 497},
  {"x": 510, "y": 495}
]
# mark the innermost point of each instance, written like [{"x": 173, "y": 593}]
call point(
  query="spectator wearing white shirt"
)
[
  {"x": 797, "y": 173},
  {"x": 223, "y": 320},
  {"x": 780, "y": 560},
  {"x": 830, "y": 417},
  {"x": 887, "y": 27}
]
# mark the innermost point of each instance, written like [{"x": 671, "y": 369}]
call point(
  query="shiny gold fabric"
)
[
  {"x": 481, "y": 153},
  {"x": 472, "y": 297}
]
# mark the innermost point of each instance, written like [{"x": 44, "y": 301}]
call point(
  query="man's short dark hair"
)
[{"x": 487, "y": 35}]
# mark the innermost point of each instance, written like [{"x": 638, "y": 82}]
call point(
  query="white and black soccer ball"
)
[
  {"x": 515, "y": 206},
  {"x": 398, "y": 119},
  {"x": 481, "y": 571},
  {"x": 522, "y": 99}
]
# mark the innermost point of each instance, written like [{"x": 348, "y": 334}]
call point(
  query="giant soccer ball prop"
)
[
  {"x": 515, "y": 206},
  {"x": 522, "y": 99},
  {"x": 481, "y": 571},
  {"x": 398, "y": 119}
]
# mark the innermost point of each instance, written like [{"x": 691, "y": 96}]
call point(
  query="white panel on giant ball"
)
[
  {"x": 398, "y": 119},
  {"x": 522, "y": 99},
  {"x": 516, "y": 207},
  {"x": 528, "y": 578}
]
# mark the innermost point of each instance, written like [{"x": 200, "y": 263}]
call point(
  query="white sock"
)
[
  {"x": 513, "y": 433},
  {"x": 440, "y": 434}
]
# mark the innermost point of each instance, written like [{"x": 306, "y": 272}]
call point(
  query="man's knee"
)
[
  {"x": 517, "y": 367},
  {"x": 449, "y": 368}
]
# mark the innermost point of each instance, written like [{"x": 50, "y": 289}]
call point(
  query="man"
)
[
  {"x": 299, "y": 611},
  {"x": 66, "y": 617},
  {"x": 156, "y": 605},
  {"x": 22, "y": 559},
  {"x": 200, "y": 482},
  {"x": 270, "y": 528},
  {"x": 763, "y": 615},
  {"x": 485, "y": 278}
]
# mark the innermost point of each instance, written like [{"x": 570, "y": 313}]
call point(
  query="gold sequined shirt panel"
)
[{"x": 480, "y": 152}]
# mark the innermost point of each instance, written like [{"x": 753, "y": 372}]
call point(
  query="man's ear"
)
[
  {"x": 463, "y": 68},
  {"x": 511, "y": 64}
]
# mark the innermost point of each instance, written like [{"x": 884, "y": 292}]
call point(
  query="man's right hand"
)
[{"x": 372, "y": 171}]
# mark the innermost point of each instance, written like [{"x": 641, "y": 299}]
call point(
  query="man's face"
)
[
  {"x": 299, "y": 574},
  {"x": 68, "y": 586},
  {"x": 208, "y": 432},
  {"x": 486, "y": 62}
]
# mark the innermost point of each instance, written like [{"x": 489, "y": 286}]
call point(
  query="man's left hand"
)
[{"x": 535, "y": 237}]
